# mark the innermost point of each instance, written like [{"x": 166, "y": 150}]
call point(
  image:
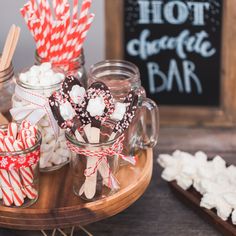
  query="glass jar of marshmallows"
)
[{"x": 30, "y": 101}]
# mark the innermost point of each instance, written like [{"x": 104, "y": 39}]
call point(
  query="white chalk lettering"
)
[
  {"x": 173, "y": 12},
  {"x": 183, "y": 44},
  {"x": 185, "y": 82}
]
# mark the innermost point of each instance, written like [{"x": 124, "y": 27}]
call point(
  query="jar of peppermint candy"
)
[{"x": 30, "y": 102}]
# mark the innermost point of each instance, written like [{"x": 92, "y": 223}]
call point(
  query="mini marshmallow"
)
[
  {"x": 206, "y": 171},
  {"x": 170, "y": 173},
  {"x": 230, "y": 198},
  {"x": 46, "y": 66},
  {"x": 209, "y": 186},
  {"x": 234, "y": 217},
  {"x": 67, "y": 112},
  {"x": 166, "y": 160},
  {"x": 184, "y": 182},
  {"x": 77, "y": 94},
  {"x": 231, "y": 173},
  {"x": 63, "y": 152},
  {"x": 208, "y": 201},
  {"x": 223, "y": 209},
  {"x": 41, "y": 75},
  {"x": 46, "y": 147},
  {"x": 218, "y": 163},
  {"x": 120, "y": 109},
  {"x": 96, "y": 106},
  {"x": 48, "y": 138},
  {"x": 56, "y": 158},
  {"x": 23, "y": 77},
  {"x": 190, "y": 170}
]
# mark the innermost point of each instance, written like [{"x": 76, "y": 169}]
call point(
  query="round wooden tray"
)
[{"x": 57, "y": 206}]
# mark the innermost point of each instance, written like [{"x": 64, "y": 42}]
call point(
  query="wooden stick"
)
[
  {"x": 13, "y": 47},
  {"x": 7, "y": 47}
]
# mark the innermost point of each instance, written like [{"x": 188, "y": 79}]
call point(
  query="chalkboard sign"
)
[
  {"x": 177, "y": 46},
  {"x": 186, "y": 53}
]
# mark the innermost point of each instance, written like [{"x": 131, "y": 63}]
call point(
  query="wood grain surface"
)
[
  {"x": 57, "y": 205},
  {"x": 158, "y": 211}
]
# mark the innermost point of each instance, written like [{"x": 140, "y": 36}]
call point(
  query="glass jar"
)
[
  {"x": 19, "y": 175},
  {"x": 121, "y": 77},
  {"x": 94, "y": 166},
  {"x": 6, "y": 90},
  {"x": 31, "y": 102},
  {"x": 74, "y": 67}
]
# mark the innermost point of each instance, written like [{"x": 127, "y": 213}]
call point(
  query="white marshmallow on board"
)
[
  {"x": 230, "y": 198},
  {"x": 223, "y": 208},
  {"x": 166, "y": 160},
  {"x": 231, "y": 173},
  {"x": 234, "y": 217},
  {"x": 212, "y": 179},
  {"x": 170, "y": 173},
  {"x": 184, "y": 182},
  {"x": 208, "y": 201}
]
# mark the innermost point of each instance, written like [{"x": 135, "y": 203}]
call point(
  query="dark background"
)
[{"x": 207, "y": 69}]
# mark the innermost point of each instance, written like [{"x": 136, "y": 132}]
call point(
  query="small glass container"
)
[
  {"x": 54, "y": 153},
  {"x": 19, "y": 175},
  {"x": 122, "y": 77},
  {"x": 6, "y": 90},
  {"x": 74, "y": 67},
  {"x": 94, "y": 166}
]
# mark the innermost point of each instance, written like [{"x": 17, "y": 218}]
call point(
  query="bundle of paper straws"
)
[{"x": 59, "y": 35}]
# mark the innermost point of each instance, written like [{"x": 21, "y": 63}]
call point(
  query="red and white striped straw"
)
[
  {"x": 83, "y": 35},
  {"x": 75, "y": 10},
  {"x": 55, "y": 39}
]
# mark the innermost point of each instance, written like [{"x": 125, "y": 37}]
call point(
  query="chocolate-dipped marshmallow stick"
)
[
  {"x": 96, "y": 107},
  {"x": 73, "y": 91},
  {"x": 64, "y": 114},
  {"x": 124, "y": 113}
]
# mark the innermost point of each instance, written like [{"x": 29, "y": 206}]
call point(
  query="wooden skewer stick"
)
[
  {"x": 7, "y": 47},
  {"x": 13, "y": 47}
]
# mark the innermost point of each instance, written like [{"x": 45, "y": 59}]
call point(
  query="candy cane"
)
[
  {"x": 5, "y": 182},
  {"x": 25, "y": 124},
  {"x": 27, "y": 173},
  {"x": 12, "y": 130},
  {"x": 2, "y": 134},
  {"x": 18, "y": 196}
]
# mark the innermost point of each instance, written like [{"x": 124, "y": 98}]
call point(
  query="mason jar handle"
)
[{"x": 150, "y": 124}]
